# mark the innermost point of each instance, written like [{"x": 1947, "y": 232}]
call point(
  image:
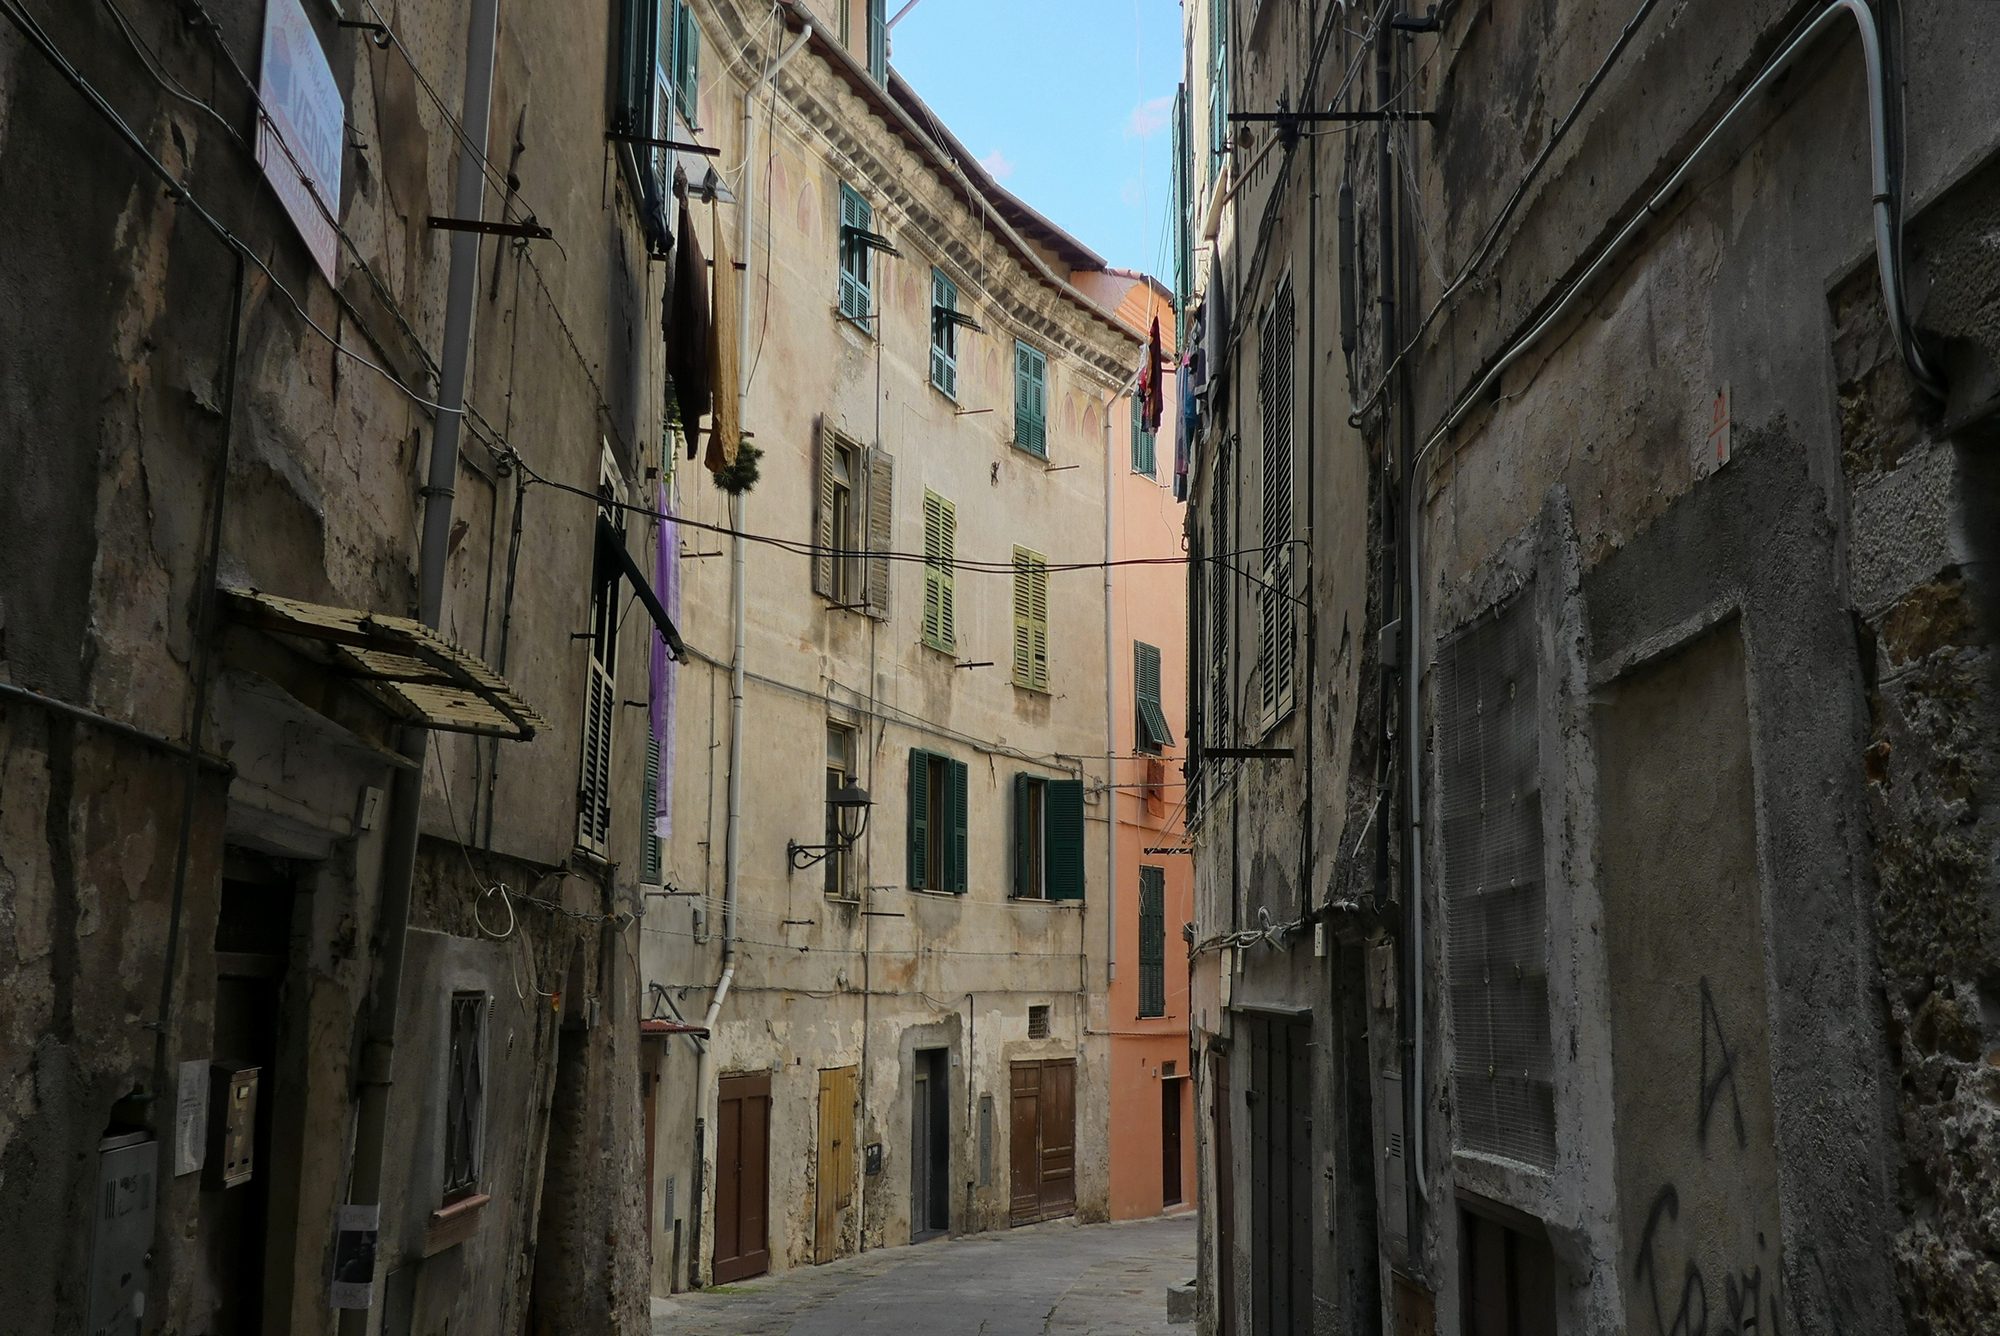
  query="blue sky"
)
[{"x": 1068, "y": 102}]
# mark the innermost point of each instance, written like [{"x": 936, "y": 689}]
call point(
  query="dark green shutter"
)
[
  {"x": 878, "y": 41},
  {"x": 856, "y": 215},
  {"x": 687, "y": 60},
  {"x": 1153, "y": 732},
  {"x": 1152, "y": 941},
  {"x": 1142, "y": 440},
  {"x": 958, "y": 826},
  {"x": 920, "y": 808},
  {"x": 1024, "y": 856},
  {"x": 638, "y": 40},
  {"x": 1062, "y": 824},
  {"x": 944, "y": 334}
]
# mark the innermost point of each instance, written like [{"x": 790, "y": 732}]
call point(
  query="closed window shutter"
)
[
  {"x": 1198, "y": 616},
  {"x": 1222, "y": 608},
  {"x": 1039, "y": 584},
  {"x": 944, "y": 334},
  {"x": 1275, "y": 646},
  {"x": 1062, "y": 826},
  {"x": 823, "y": 535},
  {"x": 878, "y": 41},
  {"x": 940, "y": 589},
  {"x": 855, "y": 216},
  {"x": 649, "y": 842},
  {"x": 958, "y": 826},
  {"x": 593, "y": 814},
  {"x": 1142, "y": 440},
  {"x": 1152, "y": 729},
  {"x": 920, "y": 810},
  {"x": 1031, "y": 620},
  {"x": 1024, "y": 854},
  {"x": 687, "y": 61},
  {"x": 1152, "y": 941},
  {"x": 881, "y": 497},
  {"x": 1183, "y": 218},
  {"x": 1030, "y": 400},
  {"x": 638, "y": 39}
]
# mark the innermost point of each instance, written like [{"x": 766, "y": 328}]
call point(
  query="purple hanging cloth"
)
[{"x": 665, "y": 672}]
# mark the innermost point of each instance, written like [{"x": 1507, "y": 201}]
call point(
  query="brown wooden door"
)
[
  {"x": 1170, "y": 1143},
  {"x": 1042, "y": 1141},
  {"x": 834, "y": 1185},
  {"x": 742, "y": 1177}
]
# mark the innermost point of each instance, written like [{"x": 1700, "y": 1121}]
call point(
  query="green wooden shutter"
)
[
  {"x": 1031, "y": 427},
  {"x": 878, "y": 41},
  {"x": 1153, "y": 732},
  {"x": 920, "y": 809},
  {"x": 649, "y": 841},
  {"x": 1183, "y": 219},
  {"x": 1152, "y": 941},
  {"x": 1024, "y": 854},
  {"x": 1142, "y": 440},
  {"x": 1039, "y": 623},
  {"x": 856, "y": 215},
  {"x": 1031, "y": 620},
  {"x": 638, "y": 53},
  {"x": 1275, "y": 646},
  {"x": 940, "y": 584},
  {"x": 687, "y": 61},
  {"x": 958, "y": 826},
  {"x": 944, "y": 334},
  {"x": 1062, "y": 826}
]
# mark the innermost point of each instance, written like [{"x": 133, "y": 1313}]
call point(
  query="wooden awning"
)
[{"x": 416, "y": 673}]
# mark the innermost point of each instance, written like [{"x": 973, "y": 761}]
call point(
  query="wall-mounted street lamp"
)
[{"x": 849, "y": 804}]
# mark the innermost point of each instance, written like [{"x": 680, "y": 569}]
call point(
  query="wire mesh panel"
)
[{"x": 1494, "y": 888}]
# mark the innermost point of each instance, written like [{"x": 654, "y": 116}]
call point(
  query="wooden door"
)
[
  {"x": 1042, "y": 1141},
  {"x": 1170, "y": 1143},
  {"x": 834, "y": 1183},
  {"x": 1225, "y": 1192},
  {"x": 742, "y": 1177}
]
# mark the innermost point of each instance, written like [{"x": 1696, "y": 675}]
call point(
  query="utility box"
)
[
  {"x": 121, "y": 1233},
  {"x": 232, "y": 1125}
]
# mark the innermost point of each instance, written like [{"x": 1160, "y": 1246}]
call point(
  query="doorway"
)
[
  {"x": 833, "y": 1184},
  {"x": 930, "y": 1144},
  {"x": 1279, "y": 1103},
  {"x": 1225, "y": 1191},
  {"x": 1170, "y": 1142},
  {"x": 742, "y": 1177},
  {"x": 1042, "y": 1140}
]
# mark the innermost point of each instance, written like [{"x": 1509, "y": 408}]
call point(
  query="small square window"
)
[
  {"x": 1038, "y": 1022},
  {"x": 465, "y": 1096}
]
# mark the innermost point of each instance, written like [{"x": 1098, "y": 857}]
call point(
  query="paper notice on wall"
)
[
  {"x": 1715, "y": 448},
  {"x": 191, "y": 1117},
  {"x": 354, "y": 1256}
]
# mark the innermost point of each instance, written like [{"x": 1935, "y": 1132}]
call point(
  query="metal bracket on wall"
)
[
  {"x": 1250, "y": 753},
  {"x": 528, "y": 230},
  {"x": 649, "y": 141}
]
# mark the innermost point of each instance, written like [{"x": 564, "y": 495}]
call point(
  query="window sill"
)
[
  {"x": 1032, "y": 691},
  {"x": 863, "y": 323},
  {"x": 931, "y": 890},
  {"x": 1044, "y": 901},
  {"x": 945, "y": 394},
  {"x": 949, "y": 651},
  {"x": 454, "y": 1223},
  {"x": 1030, "y": 451}
]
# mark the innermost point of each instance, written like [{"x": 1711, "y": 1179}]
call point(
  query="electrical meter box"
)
[
  {"x": 232, "y": 1125},
  {"x": 121, "y": 1233}
]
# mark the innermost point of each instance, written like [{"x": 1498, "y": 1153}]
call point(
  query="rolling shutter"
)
[
  {"x": 920, "y": 809},
  {"x": 1062, "y": 825}
]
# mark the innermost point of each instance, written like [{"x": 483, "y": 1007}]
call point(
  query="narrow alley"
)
[{"x": 1059, "y": 1278}]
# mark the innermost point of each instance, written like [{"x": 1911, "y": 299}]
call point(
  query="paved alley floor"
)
[{"x": 1108, "y": 1280}]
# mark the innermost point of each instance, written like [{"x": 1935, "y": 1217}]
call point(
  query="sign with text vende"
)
[{"x": 303, "y": 109}]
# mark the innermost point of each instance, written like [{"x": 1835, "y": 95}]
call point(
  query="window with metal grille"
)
[
  {"x": 465, "y": 1095},
  {"x": 1038, "y": 1022},
  {"x": 840, "y": 769},
  {"x": 1489, "y": 768},
  {"x": 940, "y": 583},
  {"x": 944, "y": 333},
  {"x": 1278, "y": 618},
  {"x": 1152, "y": 941},
  {"x": 937, "y": 822},
  {"x": 1048, "y": 838},
  {"x": 1152, "y": 730},
  {"x": 1031, "y": 400},
  {"x": 857, "y": 257},
  {"x": 1142, "y": 440},
  {"x": 1031, "y": 620}
]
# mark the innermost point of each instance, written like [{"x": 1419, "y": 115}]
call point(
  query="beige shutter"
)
[
  {"x": 823, "y": 535},
  {"x": 881, "y": 494}
]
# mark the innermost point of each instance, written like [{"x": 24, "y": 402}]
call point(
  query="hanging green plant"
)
[{"x": 741, "y": 476}]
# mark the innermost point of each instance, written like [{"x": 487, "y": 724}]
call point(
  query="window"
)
[
  {"x": 1183, "y": 218},
  {"x": 1031, "y": 400},
  {"x": 600, "y": 707},
  {"x": 878, "y": 41},
  {"x": 851, "y": 523},
  {"x": 658, "y": 73},
  {"x": 1031, "y": 620},
  {"x": 1278, "y": 615},
  {"x": 944, "y": 333},
  {"x": 1038, "y": 1022},
  {"x": 1218, "y": 85},
  {"x": 1152, "y": 731},
  {"x": 937, "y": 803},
  {"x": 465, "y": 1095},
  {"x": 1142, "y": 440},
  {"x": 940, "y": 589},
  {"x": 1048, "y": 838},
  {"x": 681, "y": 39},
  {"x": 1152, "y": 941},
  {"x": 839, "y": 770},
  {"x": 857, "y": 260}
]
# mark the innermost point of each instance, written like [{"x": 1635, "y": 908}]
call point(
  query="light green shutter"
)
[
  {"x": 1062, "y": 825},
  {"x": 940, "y": 585},
  {"x": 1031, "y": 620},
  {"x": 958, "y": 826},
  {"x": 944, "y": 334},
  {"x": 856, "y": 215},
  {"x": 920, "y": 808}
]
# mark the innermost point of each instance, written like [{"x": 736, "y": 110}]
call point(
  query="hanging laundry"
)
[
  {"x": 688, "y": 346},
  {"x": 1155, "y": 380},
  {"x": 1184, "y": 435},
  {"x": 724, "y": 373}
]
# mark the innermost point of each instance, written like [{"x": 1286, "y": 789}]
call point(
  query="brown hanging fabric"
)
[
  {"x": 724, "y": 371},
  {"x": 689, "y": 349}
]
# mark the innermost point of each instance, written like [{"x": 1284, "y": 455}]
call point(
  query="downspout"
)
[
  {"x": 1888, "y": 266},
  {"x": 1111, "y": 702},
  {"x": 378, "y": 1051},
  {"x": 732, "y": 863}
]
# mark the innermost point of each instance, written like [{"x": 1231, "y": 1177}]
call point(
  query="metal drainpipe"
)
[
  {"x": 400, "y": 851},
  {"x": 1111, "y": 701}
]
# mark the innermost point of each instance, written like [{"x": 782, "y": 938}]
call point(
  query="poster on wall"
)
[{"x": 299, "y": 139}]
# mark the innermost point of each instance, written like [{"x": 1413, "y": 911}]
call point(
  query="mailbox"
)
[
  {"x": 122, "y": 1232},
  {"x": 232, "y": 1125}
]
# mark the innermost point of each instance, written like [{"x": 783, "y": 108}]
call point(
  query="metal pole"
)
[{"x": 400, "y": 849}]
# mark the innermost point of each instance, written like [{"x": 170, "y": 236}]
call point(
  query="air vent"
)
[{"x": 1038, "y": 1022}]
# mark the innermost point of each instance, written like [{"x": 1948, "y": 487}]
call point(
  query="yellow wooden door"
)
[{"x": 834, "y": 1186}]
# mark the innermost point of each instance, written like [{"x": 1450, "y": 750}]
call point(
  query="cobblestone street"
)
[{"x": 1105, "y": 1280}]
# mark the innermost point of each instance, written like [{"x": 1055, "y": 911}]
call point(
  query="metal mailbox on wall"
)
[
  {"x": 122, "y": 1232},
  {"x": 232, "y": 1125}
]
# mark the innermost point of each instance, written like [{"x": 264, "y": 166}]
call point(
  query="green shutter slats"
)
[
  {"x": 959, "y": 841},
  {"x": 687, "y": 61},
  {"x": 878, "y": 41},
  {"x": 919, "y": 819},
  {"x": 1031, "y": 620},
  {"x": 1276, "y": 618},
  {"x": 649, "y": 842},
  {"x": 1222, "y": 611},
  {"x": 856, "y": 261},
  {"x": 1142, "y": 440},
  {"x": 1152, "y": 941},
  {"x": 1062, "y": 826},
  {"x": 1153, "y": 732},
  {"x": 638, "y": 54},
  {"x": 944, "y": 334},
  {"x": 823, "y": 535},
  {"x": 940, "y": 585},
  {"x": 1024, "y": 854},
  {"x": 1031, "y": 400}
]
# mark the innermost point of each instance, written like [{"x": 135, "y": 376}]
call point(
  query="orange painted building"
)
[{"x": 1152, "y": 1113}]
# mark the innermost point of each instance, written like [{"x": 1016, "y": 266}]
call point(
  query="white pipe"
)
[{"x": 1888, "y": 266}]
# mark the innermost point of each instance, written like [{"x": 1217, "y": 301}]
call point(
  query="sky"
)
[{"x": 1069, "y": 103}]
